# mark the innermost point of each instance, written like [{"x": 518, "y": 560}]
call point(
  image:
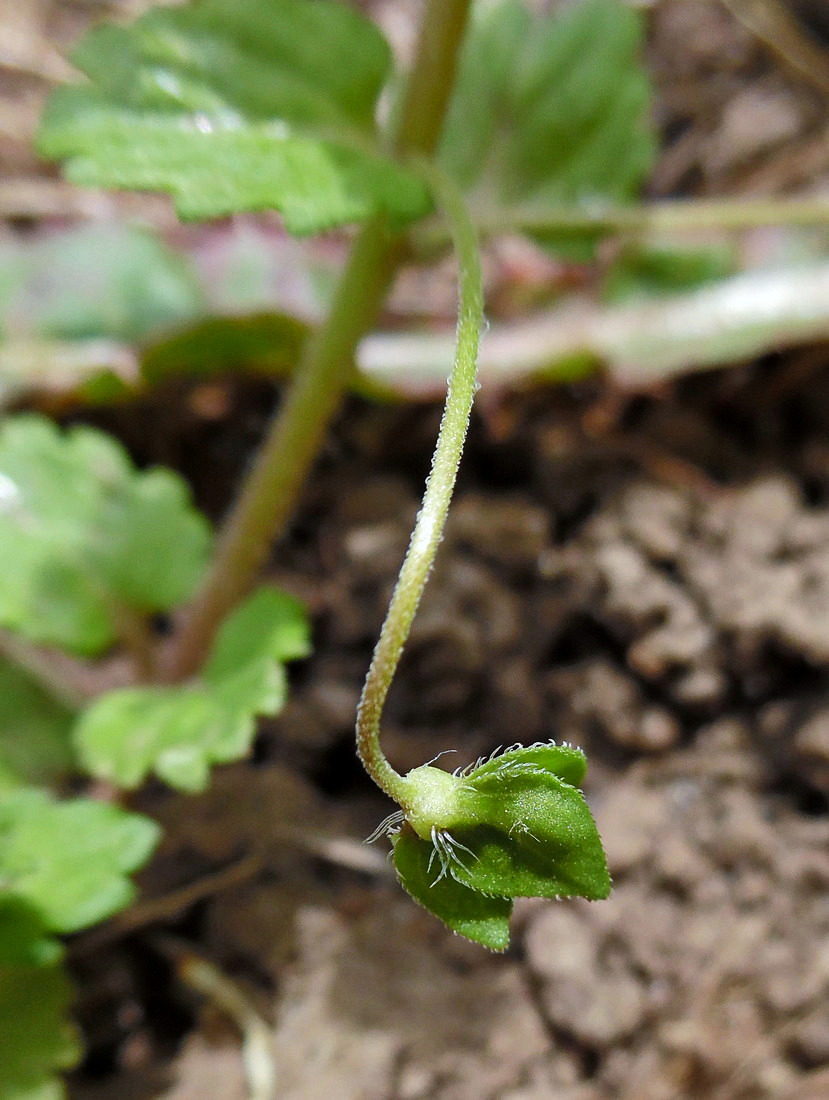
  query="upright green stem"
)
[
  {"x": 270, "y": 493},
  {"x": 439, "y": 486}
]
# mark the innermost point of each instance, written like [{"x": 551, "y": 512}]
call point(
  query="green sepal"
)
[
  {"x": 476, "y": 916},
  {"x": 564, "y": 761},
  {"x": 528, "y": 832}
]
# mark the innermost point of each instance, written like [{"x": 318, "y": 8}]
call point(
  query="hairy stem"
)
[
  {"x": 439, "y": 486},
  {"x": 269, "y": 495}
]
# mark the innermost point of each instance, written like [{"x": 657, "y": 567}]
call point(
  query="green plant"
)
[{"x": 234, "y": 105}]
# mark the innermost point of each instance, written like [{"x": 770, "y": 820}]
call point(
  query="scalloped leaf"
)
[
  {"x": 234, "y": 105},
  {"x": 82, "y": 533},
  {"x": 551, "y": 110},
  {"x": 179, "y": 732},
  {"x": 36, "y": 1038},
  {"x": 70, "y": 861},
  {"x": 467, "y": 912}
]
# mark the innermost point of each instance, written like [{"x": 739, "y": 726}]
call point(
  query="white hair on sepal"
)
[{"x": 387, "y": 827}]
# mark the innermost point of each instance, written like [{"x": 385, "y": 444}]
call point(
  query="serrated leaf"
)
[
  {"x": 34, "y": 731},
  {"x": 36, "y": 1039},
  {"x": 70, "y": 861},
  {"x": 83, "y": 533},
  {"x": 473, "y": 915},
  {"x": 234, "y": 105},
  {"x": 178, "y": 733},
  {"x": 551, "y": 110}
]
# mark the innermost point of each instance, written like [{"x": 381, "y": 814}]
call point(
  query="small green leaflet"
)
[
  {"x": 551, "y": 110},
  {"x": 82, "y": 534},
  {"x": 233, "y": 105},
  {"x": 69, "y": 861},
  {"x": 179, "y": 732},
  {"x": 515, "y": 825}
]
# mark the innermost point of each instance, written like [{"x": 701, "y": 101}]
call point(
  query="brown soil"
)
[
  {"x": 646, "y": 576},
  {"x": 656, "y": 592}
]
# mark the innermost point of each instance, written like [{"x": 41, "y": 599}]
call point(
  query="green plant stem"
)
[
  {"x": 669, "y": 216},
  {"x": 432, "y": 76},
  {"x": 431, "y": 519},
  {"x": 270, "y": 493}
]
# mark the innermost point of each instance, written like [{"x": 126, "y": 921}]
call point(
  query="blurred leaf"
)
[
  {"x": 70, "y": 861},
  {"x": 264, "y": 343},
  {"x": 469, "y": 913},
  {"x": 234, "y": 105},
  {"x": 649, "y": 271},
  {"x": 94, "y": 281},
  {"x": 551, "y": 110},
  {"x": 270, "y": 624},
  {"x": 24, "y": 938},
  {"x": 36, "y": 1039},
  {"x": 34, "y": 731},
  {"x": 178, "y": 733},
  {"x": 83, "y": 533}
]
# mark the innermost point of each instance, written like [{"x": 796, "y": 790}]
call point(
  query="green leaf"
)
[
  {"x": 36, "y": 1039},
  {"x": 271, "y": 624},
  {"x": 34, "y": 731},
  {"x": 234, "y": 105},
  {"x": 24, "y": 937},
  {"x": 94, "y": 281},
  {"x": 82, "y": 533},
  {"x": 70, "y": 861},
  {"x": 180, "y": 732},
  {"x": 551, "y": 110},
  {"x": 467, "y": 912}
]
